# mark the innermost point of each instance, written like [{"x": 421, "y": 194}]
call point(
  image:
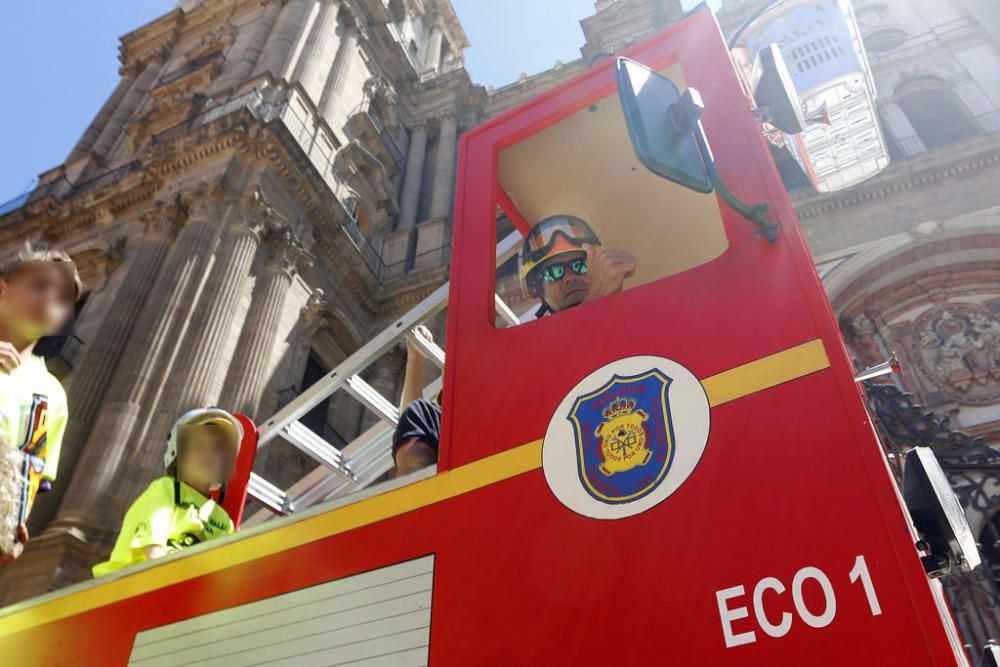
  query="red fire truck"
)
[{"x": 681, "y": 473}]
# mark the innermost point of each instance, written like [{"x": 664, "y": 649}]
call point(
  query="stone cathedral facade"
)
[{"x": 271, "y": 183}]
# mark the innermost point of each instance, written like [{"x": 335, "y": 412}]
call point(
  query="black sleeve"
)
[{"x": 420, "y": 420}]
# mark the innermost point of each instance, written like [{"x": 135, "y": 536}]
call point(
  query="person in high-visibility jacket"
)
[{"x": 176, "y": 511}]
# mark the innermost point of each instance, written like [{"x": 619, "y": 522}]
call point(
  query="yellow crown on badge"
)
[{"x": 618, "y": 408}]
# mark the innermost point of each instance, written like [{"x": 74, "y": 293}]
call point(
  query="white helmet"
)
[{"x": 201, "y": 417}]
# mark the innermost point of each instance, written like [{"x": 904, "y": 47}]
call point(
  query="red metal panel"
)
[{"x": 792, "y": 476}]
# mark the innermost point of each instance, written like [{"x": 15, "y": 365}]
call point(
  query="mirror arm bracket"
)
[
  {"x": 685, "y": 116},
  {"x": 755, "y": 213}
]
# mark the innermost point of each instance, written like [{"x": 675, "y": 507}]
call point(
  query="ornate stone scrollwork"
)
[
  {"x": 258, "y": 214},
  {"x": 164, "y": 219},
  {"x": 285, "y": 253},
  {"x": 957, "y": 346},
  {"x": 207, "y": 200}
]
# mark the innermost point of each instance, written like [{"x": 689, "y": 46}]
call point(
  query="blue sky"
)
[{"x": 58, "y": 60}]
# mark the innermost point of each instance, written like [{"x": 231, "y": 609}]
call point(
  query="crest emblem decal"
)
[{"x": 624, "y": 437}]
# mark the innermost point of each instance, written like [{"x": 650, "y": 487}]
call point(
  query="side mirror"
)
[
  {"x": 991, "y": 655},
  {"x": 774, "y": 91},
  {"x": 668, "y": 139},
  {"x": 660, "y": 125},
  {"x": 937, "y": 514}
]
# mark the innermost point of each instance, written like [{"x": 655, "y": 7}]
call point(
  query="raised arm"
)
[{"x": 413, "y": 377}]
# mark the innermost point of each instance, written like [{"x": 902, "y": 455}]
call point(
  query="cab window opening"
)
[{"x": 598, "y": 221}]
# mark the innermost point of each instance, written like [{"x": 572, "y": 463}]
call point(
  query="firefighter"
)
[{"x": 563, "y": 264}]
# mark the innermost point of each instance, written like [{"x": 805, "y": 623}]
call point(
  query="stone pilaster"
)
[
  {"x": 95, "y": 487},
  {"x": 248, "y": 58},
  {"x": 444, "y": 167},
  {"x": 247, "y": 376},
  {"x": 334, "y": 87},
  {"x": 195, "y": 376},
  {"x": 89, "y": 383},
  {"x": 112, "y": 131},
  {"x": 91, "y": 510},
  {"x": 410, "y": 200},
  {"x": 280, "y": 48},
  {"x": 316, "y": 58}
]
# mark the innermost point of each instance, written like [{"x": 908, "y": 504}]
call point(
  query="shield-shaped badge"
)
[{"x": 624, "y": 437}]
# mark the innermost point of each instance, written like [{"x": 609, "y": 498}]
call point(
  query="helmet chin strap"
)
[{"x": 546, "y": 308}]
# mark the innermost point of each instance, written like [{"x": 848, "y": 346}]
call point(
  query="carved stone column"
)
[
  {"x": 283, "y": 38},
  {"x": 334, "y": 86},
  {"x": 318, "y": 53},
  {"x": 96, "y": 485},
  {"x": 123, "y": 113},
  {"x": 195, "y": 377},
  {"x": 102, "y": 354},
  {"x": 410, "y": 201},
  {"x": 248, "y": 371},
  {"x": 244, "y": 66},
  {"x": 444, "y": 167}
]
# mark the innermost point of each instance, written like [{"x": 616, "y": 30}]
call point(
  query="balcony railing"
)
[{"x": 312, "y": 139}]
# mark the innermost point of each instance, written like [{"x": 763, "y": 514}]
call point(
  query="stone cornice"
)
[
  {"x": 156, "y": 36},
  {"x": 980, "y": 152}
]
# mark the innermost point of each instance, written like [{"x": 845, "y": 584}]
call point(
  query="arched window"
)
[{"x": 935, "y": 112}]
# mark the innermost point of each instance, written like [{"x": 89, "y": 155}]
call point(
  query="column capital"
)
[
  {"x": 449, "y": 115},
  {"x": 420, "y": 125},
  {"x": 207, "y": 200},
  {"x": 163, "y": 220},
  {"x": 258, "y": 214},
  {"x": 353, "y": 23},
  {"x": 285, "y": 253}
]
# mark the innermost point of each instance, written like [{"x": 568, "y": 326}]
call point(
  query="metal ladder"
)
[{"x": 367, "y": 457}]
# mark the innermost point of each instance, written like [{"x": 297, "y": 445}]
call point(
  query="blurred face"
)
[
  {"x": 37, "y": 300},
  {"x": 205, "y": 456},
  {"x": 565, "y": 282}
]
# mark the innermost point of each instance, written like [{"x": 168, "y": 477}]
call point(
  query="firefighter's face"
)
[
  {"x": 565, "y": 282},
  {"x": 37, "y": 300},
  {"x": 205, "y": 455}
]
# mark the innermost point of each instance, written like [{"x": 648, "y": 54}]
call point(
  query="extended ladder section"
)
[{"x": 369, "y": 456}]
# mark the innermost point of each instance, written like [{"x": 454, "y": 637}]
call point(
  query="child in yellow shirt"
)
[
  {"x": 38, "y": 290},
  {"x": 176, "y": 511}
]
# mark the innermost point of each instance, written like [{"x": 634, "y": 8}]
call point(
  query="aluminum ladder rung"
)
[
  {"x": 431, "y": 350},
  {"x": 369, "y": 397},
  {"x": 322, "y": 451},
  {"x": 269, "y": 495},
  {"x": 285, "y": 422},
  {"x": 505, "y": 313},
  {"x": 431, "y": 305}
]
